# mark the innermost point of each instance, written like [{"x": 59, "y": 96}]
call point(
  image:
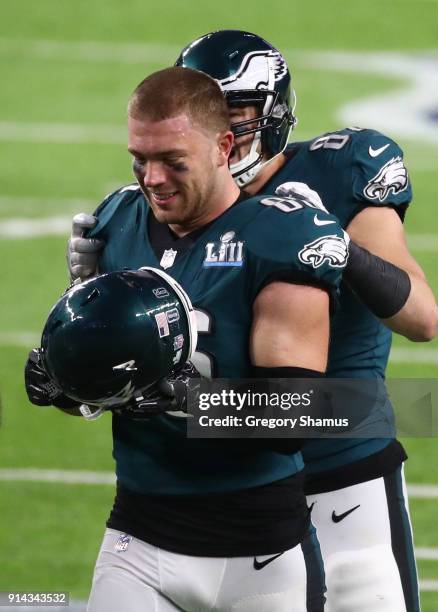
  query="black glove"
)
[
  {"x": 167, "y": 395},
  {"x": 40, "y": 389}
]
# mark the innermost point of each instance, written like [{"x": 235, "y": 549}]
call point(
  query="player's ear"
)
[{"x": 225, "y": 141}]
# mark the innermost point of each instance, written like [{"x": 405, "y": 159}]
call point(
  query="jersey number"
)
[
  {"x": 331, "y": 141},
  {"x": 202, "y": 361},
  {"x": 284, "y": 204}
]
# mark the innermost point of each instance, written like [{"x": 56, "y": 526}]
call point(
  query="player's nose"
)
[{"x": 154, "y": 174}]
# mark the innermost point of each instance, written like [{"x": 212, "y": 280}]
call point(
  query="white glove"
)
[
  {"x": 83, "y": 253},
  {"x": 302, "y": 193}
]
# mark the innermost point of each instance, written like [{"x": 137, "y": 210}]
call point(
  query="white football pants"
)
[
  {"x": 133, "y": 576},
  {"x": 366, "y": 543}
]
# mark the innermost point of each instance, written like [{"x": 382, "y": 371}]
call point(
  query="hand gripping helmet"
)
[
  {"x": 249, "y": 71},
  {"x": 116, "y": 334}
]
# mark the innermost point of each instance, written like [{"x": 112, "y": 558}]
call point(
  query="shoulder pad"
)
[
  {"x": 374, "y": 162},
  {"x": 379, "y": 172},
  {"x": 287, "y": 233},
  {"x": 112, "y": 202}
]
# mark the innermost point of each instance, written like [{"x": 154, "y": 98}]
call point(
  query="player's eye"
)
[
  {"x": 177, "y": 164},
  {"x": 138, "y": 163},
  {"x": 236, "y": 115}
]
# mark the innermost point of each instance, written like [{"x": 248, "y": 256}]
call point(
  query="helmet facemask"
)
[{"x": 274, "y": 121}]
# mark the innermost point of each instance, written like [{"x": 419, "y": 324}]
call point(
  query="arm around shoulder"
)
[{"x": 380, "y": 231}]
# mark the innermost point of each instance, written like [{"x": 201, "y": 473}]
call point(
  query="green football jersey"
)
[
  {"x": 350, "y": 169},
  {"x": 251, "y": 244}
]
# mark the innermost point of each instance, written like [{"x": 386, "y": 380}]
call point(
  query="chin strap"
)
[
  {"x": 247, "y": 177},
  {"x": 252, "y": 161},
  {"x": 88, "y": 414}
]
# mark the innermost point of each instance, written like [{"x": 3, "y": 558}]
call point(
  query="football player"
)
[
  {"x": 357, "y": 486},
  {"x": 203, "y": 524}
]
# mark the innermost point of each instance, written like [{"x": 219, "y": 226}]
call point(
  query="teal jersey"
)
[
  {"x": 351, "y": 169},
  {"x": 251, "y": 244}
]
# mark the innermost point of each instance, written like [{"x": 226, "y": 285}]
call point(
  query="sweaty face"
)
[
  {"x": 242, "y": 144},
  {"x": 174, "y": 166}
]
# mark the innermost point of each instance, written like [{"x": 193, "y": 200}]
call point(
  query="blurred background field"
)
[{"x": 67, "y": 69}]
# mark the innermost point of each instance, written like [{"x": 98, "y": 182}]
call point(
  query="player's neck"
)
[
  {"x": 222, "y": 197},
  {"x": 265, "y": 175}
]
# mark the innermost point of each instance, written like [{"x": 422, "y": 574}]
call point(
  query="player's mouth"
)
[{"x": 163, "y": 199}]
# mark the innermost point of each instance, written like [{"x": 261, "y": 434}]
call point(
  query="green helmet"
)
[
  {"x": 114, "y": 335},
  {"x": 249, "y": 71}
]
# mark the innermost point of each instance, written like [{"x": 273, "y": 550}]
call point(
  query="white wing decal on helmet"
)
[{"x": 258, "y": 70}]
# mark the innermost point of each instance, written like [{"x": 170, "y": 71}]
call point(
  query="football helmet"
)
[
  {"x": 114, "y": 335},
  {"x": 249, "y": 71}
]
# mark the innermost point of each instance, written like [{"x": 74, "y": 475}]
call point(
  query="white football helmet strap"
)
[
  {"x": 245, "y": 169},
  {"x": 89, "y": 414},
  {"x": 187, "y": 305}
]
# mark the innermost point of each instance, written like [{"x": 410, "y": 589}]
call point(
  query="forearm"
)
[
  {"x": 401, "y": 299},
  {"x": 418, "y": 319}
]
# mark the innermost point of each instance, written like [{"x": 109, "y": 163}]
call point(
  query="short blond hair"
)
[{"x": 175, "y": 91}]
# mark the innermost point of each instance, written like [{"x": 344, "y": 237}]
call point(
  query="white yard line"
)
[
  {"x": 32, "y": 228},
  {"x": 64, "y": 133},
  {"x": 426, "y": 554},
  {"x": 89, "y": 51},
  {"x": 414, "y": 355},
  {"x": 28, "y": 339},
  {"x": 416, "y": 85},
  {"x": 428, "y": 585},
  {"x": 73, "y": 606},
  {"x": 41, "y": 203},
  {"x": 405, "y": 110},
  {"x": 19, "y": 227},
  {"x": 80, "y": 606},
  {"x": 83, "y": 477},
  {"x": 165, "y": 53},
  {"x": 422, "y": 491},
  {"x": 58, "y": 476}
]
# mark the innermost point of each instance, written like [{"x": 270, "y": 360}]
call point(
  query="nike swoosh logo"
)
[
  {"x": 376, "y": 152},
  {"x": 337, "y": 518},
  {"x": 258, "y": 565},
  {"x": 321, "y": 221}
]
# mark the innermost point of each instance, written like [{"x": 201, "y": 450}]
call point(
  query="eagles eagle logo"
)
[
  {"x": 392, "y": 176},
  {"x": 332, "y": 249}
]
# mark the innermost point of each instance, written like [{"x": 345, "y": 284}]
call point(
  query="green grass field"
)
[{"x": 67, "y": 71}]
